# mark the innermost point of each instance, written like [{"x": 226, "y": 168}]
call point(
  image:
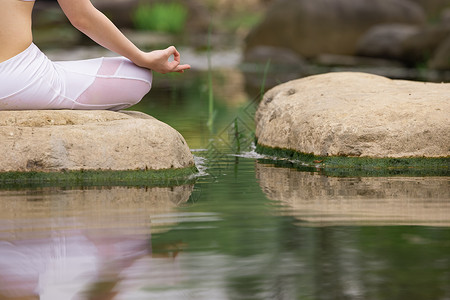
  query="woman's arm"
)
[{"x": 86, "y": 18}]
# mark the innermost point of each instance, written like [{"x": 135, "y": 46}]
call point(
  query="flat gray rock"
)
[
  {"x": 55, "y": 140},
  {"x": 356, "y": 114}
]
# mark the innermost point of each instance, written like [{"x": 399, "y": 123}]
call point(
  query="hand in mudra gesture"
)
[{"x": 158, "y": 61}]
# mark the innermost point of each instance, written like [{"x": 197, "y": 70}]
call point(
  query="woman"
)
[{"x": 29, "y": 80}]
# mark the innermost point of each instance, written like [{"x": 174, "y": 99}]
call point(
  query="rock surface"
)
[
  {"x": 385, "y": 40},
  {"x": 419, "y": 47},
  {"x": 441, "y": 57},
  {"x": 88, "y": 140},
  {"x": 356, "y": 114},
  {"x": 432, "y": 7},
  {"x": 410, "y": 44},
  {"x": 445, "y": 17},
  {"x": 328, "y": 26}
]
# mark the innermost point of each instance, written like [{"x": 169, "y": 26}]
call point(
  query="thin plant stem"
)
[
  {"x": 211, "y": 112},
  {"x": 237, "y": 136}
]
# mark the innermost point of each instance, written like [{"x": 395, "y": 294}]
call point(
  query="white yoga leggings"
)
[{"x": 30, "y": 81}]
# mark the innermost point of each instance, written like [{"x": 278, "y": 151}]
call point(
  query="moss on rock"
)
[
  {"x": 167, "y": 177},
  {"x": 362, "y": 166}
]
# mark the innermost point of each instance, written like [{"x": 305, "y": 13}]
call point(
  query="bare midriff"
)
[{"x": 15, "y": 27}]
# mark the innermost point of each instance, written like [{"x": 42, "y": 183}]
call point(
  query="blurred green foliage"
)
[{"x": 163, "y": 17}]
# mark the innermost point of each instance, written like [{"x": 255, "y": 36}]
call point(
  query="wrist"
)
[{"x": 139, "y": 58}]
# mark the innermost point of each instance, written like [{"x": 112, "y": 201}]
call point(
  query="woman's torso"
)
[{"x": 15, "y": 24}]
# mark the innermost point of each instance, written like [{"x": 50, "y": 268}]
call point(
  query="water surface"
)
[{"x": 249, "y": 227}]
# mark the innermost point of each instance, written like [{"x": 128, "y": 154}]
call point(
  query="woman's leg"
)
[
  {"x": 117, "y": 84},
  {"x": 31, "y": 81}
]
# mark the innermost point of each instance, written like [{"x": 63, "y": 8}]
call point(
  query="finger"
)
[
  {"x": 173, "y": 65},
  {"x": 182, "y": 68},
  {"x": 176, "y": 54}
]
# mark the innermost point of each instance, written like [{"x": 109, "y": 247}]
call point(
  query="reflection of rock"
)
[
  {"x": 61, "y": 243},
  {"x": 326, "y": 200},
  {"x": 356, "y": 114},
  {"x": 324, "y": 26},
  {"x": 89, "y": 140},
  {"x": 229, "y": 84},
  {"x": 117, "y": 209}
]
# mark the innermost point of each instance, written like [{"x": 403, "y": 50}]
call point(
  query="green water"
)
[{"x": 248, "y": 227}]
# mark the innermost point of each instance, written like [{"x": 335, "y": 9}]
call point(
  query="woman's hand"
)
[
  {"x": 158, "y": 61},
  {"x": 85, "y": 17}
]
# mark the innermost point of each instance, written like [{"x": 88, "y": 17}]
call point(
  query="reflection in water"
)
[
  {"x": 323, "y": 200},
  {"x": 236, "y": 244},
  {"x": 75, "y": 244},
  {"x": 230, "y": 241}
]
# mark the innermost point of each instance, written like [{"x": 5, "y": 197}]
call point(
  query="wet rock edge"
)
[
  {"x": 358, "y": 166},
  {"x": 84, "y": 178}
]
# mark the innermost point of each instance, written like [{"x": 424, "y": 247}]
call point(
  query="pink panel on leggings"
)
[
  {"x": 111, "y": 90},
  {"x": 114, "y": 91},
  {"x": 109, "y": 66}
]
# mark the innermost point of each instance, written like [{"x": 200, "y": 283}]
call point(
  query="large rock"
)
[
  {"x": 385, "y": 40},
  {"x": 356, "y": 114},
  {"x": 88, "y": 140},
  {"x": 433, "y": 7},
  {"x": 413, "y": 45},
  {"x": 441, "y": 57},
  {"x": 419, "y": 47},
  {"x": 328, "y": 26},
  {"x": 445, "y": 17}
]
